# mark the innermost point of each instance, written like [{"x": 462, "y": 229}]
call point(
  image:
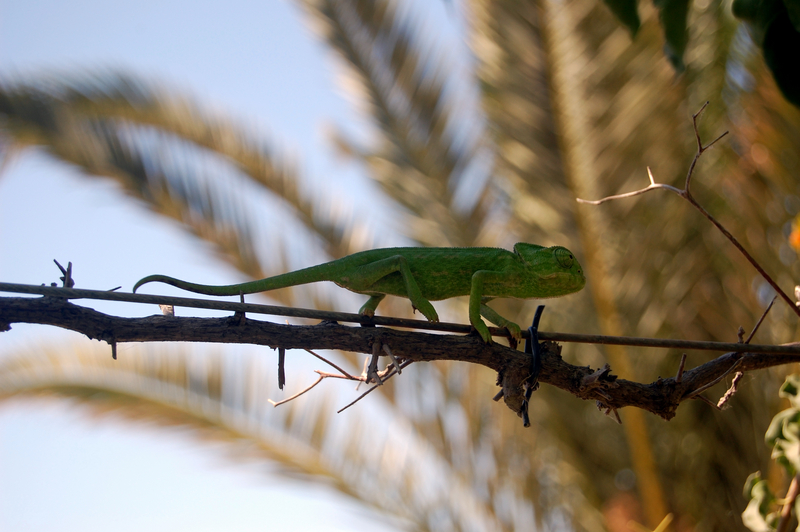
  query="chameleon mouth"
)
[{"x": 569, "y": 282}]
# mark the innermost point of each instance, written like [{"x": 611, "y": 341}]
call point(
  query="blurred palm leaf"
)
[
  {"x": 185, "y": 163},
  {"x": 568, "y": 107},
  {"x": 775, "y": 25},
  {"x": 225, "y": 397},
  {"x": 426, "y": 145}
]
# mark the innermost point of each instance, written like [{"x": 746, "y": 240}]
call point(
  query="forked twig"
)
[
  {"x": 322, "y": 375},
  {"x": 394, "y": 371},
  {"x": 721, "y": 404},
  {"x": 381, "y": 376},
  {"x": 686, "y": 194},
  {"x": 734, "y": 387}
]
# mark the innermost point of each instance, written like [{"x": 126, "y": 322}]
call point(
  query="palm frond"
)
[
  {"x": 382, "y": 464},
  {"x": 185, "y": 163},
  {"x": 426, "y": 147}
]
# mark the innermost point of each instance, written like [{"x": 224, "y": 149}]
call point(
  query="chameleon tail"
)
[
  {"x": 224, "y": 290},
  {"x": 313, "y": 274}
]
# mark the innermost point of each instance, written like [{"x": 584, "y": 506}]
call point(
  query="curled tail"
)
[{"x": 224, "y": 290}]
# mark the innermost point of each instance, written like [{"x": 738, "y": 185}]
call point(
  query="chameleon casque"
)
[{"x": 423, "y": 275}]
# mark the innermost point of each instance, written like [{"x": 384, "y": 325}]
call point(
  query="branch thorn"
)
[
  {"x": 67, "y": 278},
  {"x": 281, "y": 368}
]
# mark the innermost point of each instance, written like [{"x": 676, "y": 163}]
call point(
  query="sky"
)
[{"x": 60, "y": 468}]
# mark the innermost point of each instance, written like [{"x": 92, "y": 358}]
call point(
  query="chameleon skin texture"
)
[{"x": 423, "y": 275}]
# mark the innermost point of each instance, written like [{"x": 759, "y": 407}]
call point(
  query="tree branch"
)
[{"x": 661, "y": 397}]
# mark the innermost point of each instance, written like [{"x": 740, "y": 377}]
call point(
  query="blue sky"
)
[{"x": 257, "y": 61}]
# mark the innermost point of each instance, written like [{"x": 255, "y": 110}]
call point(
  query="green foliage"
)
[
  {"x": 673, "y": 15},
  {"x": 775, "y": 25},
  {"x": 759, "y": 516},
  {"x": 626, "y": 12},
  {"x": 783, "y": 435}
]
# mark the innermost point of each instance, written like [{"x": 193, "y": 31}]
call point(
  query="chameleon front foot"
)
[
  {"x": 490, "y": 314},
  {"x": 514, "y": 330}
]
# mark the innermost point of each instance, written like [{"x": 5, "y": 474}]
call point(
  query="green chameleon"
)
[{"x": 430, "y": 274}]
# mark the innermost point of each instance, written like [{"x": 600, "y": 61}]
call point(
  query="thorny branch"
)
[
  {"x": 250, "y": 308},
  {"x": 686, "y": 194},
  {"x": 661, "y": 397}
]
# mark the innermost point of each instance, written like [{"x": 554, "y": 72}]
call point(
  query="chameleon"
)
[{"x": 423, "y": 275}]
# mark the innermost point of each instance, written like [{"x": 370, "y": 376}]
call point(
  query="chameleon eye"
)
[{"x": 564, "y": 257}]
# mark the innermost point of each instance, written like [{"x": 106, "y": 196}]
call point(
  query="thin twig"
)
[
  {"x": 707, "y": 401},
  {"x": 705, "y": 387},
  {"x": 331, "y": 364},
  {"x": 295, "y": 396},
  {"x": 679, "y": 375},
  {"x": 687, "y": 195},
  {"x": 372, "y": 371},
  {"x": 760, "y": 320},
  {"x": 747, "y": 255},
  {"x": 363, "y": 373},
  {"x": 786, "y": 511},
  {"x": 388, "y": 351},
  {"x": 337, "y": 376}
]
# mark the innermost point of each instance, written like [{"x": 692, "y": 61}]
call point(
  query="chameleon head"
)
[
  {"x": 571, "y": 272},
  {"x": 557, "y": 270}
]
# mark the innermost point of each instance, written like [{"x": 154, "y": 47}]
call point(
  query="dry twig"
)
[
  {"x": 661, "y": 397},
  {"x": 686, "y": 194},
  {"x": 786, "y": 511}
]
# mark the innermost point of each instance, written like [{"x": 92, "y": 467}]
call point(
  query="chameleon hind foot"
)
[{"x": 427, "y": 310}]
